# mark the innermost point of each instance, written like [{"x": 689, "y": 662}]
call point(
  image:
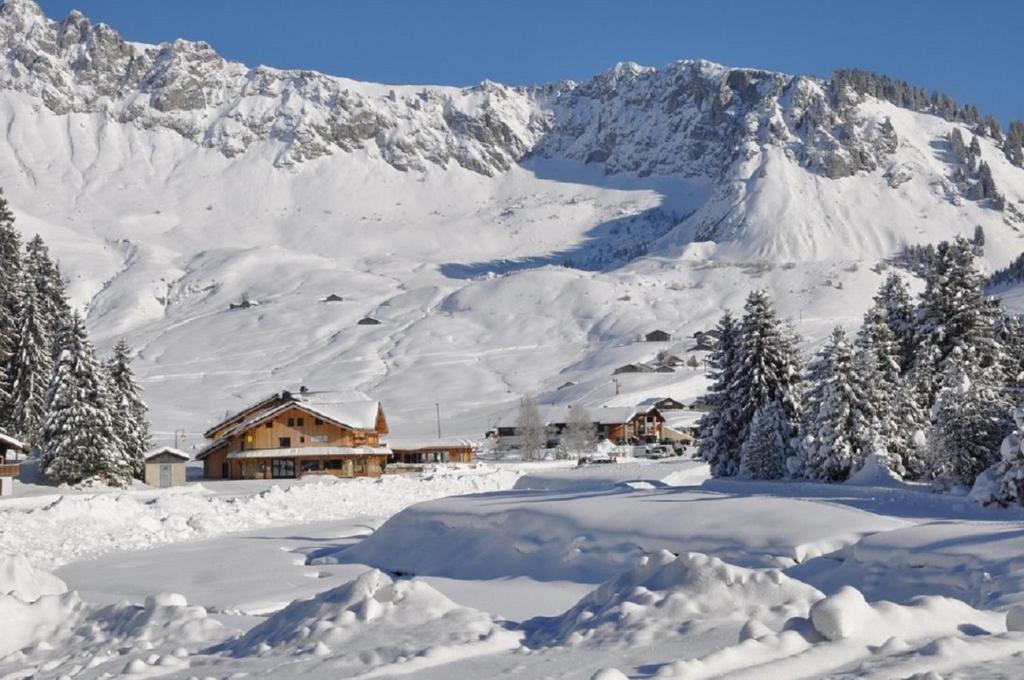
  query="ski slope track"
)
[{"x": 510, "y": 240}]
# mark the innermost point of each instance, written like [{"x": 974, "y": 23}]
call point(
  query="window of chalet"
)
[
  {"x": 291, "y": 422},
  {"x": 282, "y": 468},
  {"x": 300, "y": 422},
  {"x": 311, "y": 466},
  {"x": 318, "y": 421},
  {"x": 269, "y": 424},
  {"x": 284, "y": 442},
  {"x": 334, "y": 464}
]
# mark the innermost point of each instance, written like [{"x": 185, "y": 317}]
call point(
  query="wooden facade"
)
[
  {"x": 422, "y": 453},
  {"x": 289, "y": 437}
]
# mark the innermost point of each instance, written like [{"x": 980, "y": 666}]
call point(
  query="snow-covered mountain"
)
[{"x": 509, "y": 240}]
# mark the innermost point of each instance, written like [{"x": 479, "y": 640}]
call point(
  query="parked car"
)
[
  {"x": 595, "y": 459},
  {"x": 659, "y": 451}
]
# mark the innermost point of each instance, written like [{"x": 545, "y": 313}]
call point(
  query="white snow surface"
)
[
  {"x": 668, "y": 581},
  {"x": 54, "y": 530}
]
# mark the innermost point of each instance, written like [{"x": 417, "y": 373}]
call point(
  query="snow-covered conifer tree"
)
[
  {"x": 720, "y": 428},
  {"x": 894, "y": 297},
  {"x": 763, "y": 454},
  {"x": 77, "y": 441},
  {"x": 1003, "y": 483},
  {"x": 30, "y": 368},
  {"x": 130, "y": 415},
  {"x": 840, "y": 433},
  {"x": 767, "y": 370},
  {"x": 43, "y": 274},
  {"x": 952, "y": 314},
  {"x": 10, "y": 294},
  {"x": 969, "y": 418},
  {"x": 894, "y": 411}
]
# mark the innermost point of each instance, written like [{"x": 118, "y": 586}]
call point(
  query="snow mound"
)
[
  {"x": 593, "y": 535},
  {"x": 847, "y": 615},
  {"x": 653, "y": 600},
  {"x": 875, "y": 472},
  {"x": 373, "y": 621},
  {"x": 19, "y": 578},
  {"x": 38, "y": 614}
]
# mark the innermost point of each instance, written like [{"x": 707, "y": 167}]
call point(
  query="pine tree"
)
[
  {"x": 720, "y": 428},
  {"x": 877, "y": 372},
  {"x": 952, "y": 314},
  {"x": 30, "y": 370},
  {"x": 894, "y": 298},
  {"x": 1004, "y": 482},
  {"x": 763, "y": 454},
  {"x": 129, "y": 412},
  {"x": 969, "y": 418},
  {"x": 44, "y": 276},
  {"x": 842, "y": 430},
  {"x": 77, "y": 441},
  {"x": 767, "y": 369},
  {"x": 10, "y": 294}
]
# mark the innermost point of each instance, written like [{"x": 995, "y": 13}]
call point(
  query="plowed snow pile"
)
[
  {"x": 666, "y": 595},
  {"x": 51, "y": 632},
  {"x": 374, "y": 621}
]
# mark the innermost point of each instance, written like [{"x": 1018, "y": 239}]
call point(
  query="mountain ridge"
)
[{"x": 510, "y": 240}]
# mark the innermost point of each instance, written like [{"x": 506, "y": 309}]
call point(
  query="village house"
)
[
  {"x": 617, "y": 424},
  {"x": 662, "y": 404},
  {"x": 424, "y": 451},
  {"x": 291, "y": 434},
  {"x": 11, "y": 451},
  {"x": 658, "y": 335},
  {"x": 633, "y": 368}
]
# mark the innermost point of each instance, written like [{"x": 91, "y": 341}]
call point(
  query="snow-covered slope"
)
[{"x": 510, "y": 240}]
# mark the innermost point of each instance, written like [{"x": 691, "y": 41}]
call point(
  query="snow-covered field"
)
[{"x": 640, "y": 569}]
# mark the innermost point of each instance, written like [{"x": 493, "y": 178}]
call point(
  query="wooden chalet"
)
[
  {"x": 292, "y": 434},
  {"x": 662, "y": 404},
  {"x": 425, "y": 451},
  {"x": 11, "y": 451},
  {"x": 618, "y": 424},
  {"x": 658, "y": 335}
]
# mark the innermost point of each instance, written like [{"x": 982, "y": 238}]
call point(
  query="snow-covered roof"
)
[
  {"x": 348, "y": 408},
  {"x": 604, "y": 415},
  {"x": 311, "y": 452},
  {"x": 10, "y": 442},
  {"x": 168, "y": 450},
  {"x": 210, "y": 448},
  {"x": 426, "y": 443}
]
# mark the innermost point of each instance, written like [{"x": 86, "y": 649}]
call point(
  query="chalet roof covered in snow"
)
[
  {"x": 348, "y": 408},
  {"x": 9, "y": 442}
]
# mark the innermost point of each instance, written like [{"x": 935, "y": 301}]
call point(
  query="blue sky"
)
[{"x": 971, "y": 50}]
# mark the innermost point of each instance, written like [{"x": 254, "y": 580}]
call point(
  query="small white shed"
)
[{"x": 166, "y": 467}]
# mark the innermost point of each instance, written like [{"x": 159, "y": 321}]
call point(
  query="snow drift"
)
[{"x": 375, "y": 621}]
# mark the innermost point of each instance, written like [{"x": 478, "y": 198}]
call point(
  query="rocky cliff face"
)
[{"x": 693, "y": 118}]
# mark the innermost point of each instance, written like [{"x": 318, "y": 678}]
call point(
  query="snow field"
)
[{"x": 79, "y": 526}]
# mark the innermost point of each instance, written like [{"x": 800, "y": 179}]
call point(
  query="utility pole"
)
[
  {"x": 437, "y": 407},
  {"x": 183, "y": 435}
]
